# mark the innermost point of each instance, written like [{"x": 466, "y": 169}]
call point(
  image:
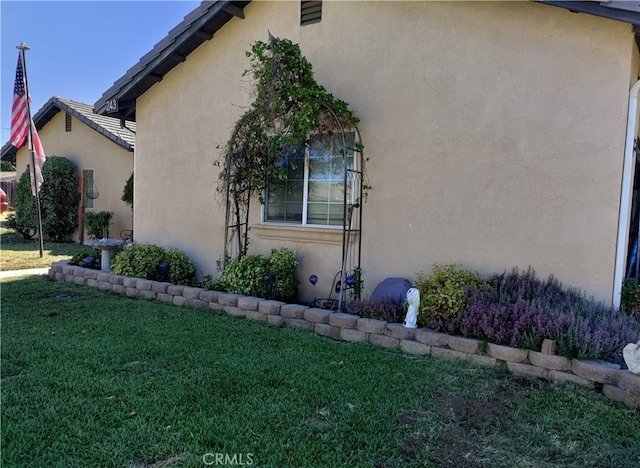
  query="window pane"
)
[
  {"x": 318, "y": 191},
  {"x": 335, "y": 214},
  {"x": 327, "y": 162},
  {"x": 317, "y": 213},
  {"x": 284, "y": 197}
]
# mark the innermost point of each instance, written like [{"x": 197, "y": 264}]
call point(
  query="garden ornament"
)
[
  {"x": 413, "y": 298},
  {"x": 631, "y": 354}
]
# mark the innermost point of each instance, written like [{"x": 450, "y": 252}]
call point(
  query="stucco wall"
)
[
  {"x": 87, "y": 149},
  {"x": 494, "y": 131}
]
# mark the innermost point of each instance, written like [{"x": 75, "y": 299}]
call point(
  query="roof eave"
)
[
  {"x": 197, "y": 27},
  {"x": 48, "y": 111},
  {"x": 597, "y": 9}
]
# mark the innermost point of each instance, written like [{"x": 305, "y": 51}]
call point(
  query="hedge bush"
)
[
  {"x": 59, "y": 198},
  {"x": 25, "y": 218},
  {"x": 247, "y": 275},
  {"x": 144, "y": 261}
]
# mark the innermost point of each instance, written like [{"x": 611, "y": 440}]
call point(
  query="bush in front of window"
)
[
  {"x": 245, "y": 276},
  {"x": 59, "y": 197},
  {"x": 282, "y": 268},
  {"x": 258, "y": 276}
]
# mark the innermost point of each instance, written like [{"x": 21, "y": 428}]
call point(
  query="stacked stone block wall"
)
[{"x": 616, "y": 383}]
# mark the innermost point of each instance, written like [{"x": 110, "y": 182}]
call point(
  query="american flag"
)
[
  {"x": 20, "y": 110},
  {"x": 20, "y": 120}
]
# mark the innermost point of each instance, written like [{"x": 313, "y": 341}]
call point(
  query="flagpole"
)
[{"x": 22, "y": 48}]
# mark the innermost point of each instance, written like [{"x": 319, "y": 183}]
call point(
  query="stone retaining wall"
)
[{"x": 617, "y": 384}]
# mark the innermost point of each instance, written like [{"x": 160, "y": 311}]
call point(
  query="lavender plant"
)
[
  {"x": 520, "y": 310},
  {"x": 386, "y": 309}
]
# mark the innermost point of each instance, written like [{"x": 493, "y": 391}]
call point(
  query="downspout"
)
[{"x": 626, "y": 195}]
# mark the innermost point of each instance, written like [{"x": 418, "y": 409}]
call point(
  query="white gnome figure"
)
[
  {"x": 631, "y": 354},
  {"x": 413, "y": 298}
]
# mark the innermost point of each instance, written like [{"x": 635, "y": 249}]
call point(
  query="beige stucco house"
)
[
  {"x": 498, "y": 134},
  {"x": 101, "y": 148}
]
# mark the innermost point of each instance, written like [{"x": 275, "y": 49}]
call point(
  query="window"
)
[
  {"x": 67, "y": 122},
  {"x": 310, "y": 13},
  {"x": 312, "y": 193},
  {"x": 89, "y": 194}
]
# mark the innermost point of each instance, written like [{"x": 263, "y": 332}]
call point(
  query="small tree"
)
[
  {"x": 25, "y": 219},
  {"x": 59, "y": 198},
  {"x": 98, "y": 223},
  {"x": 127, "y": 193},
  {"x": 6, "y": 166}
]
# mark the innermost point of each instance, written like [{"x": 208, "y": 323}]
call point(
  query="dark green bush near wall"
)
[
  {"x": 97, "y": 223},
  {"x": 630, "y": 299},
  {"x": 143, "y": 261},
  {"x": 25, "y": 219},
  {"x": 6, "y": 166},
  {"x": 127, "y": 192},
  {"x": 59, "y": 198},
  {"x": 247, "y": 275}
]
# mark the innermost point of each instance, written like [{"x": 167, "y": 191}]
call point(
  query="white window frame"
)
[{"x": 305, "y": 191}]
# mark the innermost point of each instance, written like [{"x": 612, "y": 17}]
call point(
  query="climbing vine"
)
[{"x": 289, "y": 109}]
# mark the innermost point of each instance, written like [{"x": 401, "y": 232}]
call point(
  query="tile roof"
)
[{"x": 109, "y": 127}]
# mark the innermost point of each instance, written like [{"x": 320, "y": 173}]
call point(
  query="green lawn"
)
[
  {"x": 17, "y": 253},
  {"x": 94, "y": 379}
]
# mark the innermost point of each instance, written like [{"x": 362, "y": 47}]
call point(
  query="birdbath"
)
[{"x": 105, "y": 246}]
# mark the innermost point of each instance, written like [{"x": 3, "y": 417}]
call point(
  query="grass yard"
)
[
  {"x": 16, "y": 253},
  {"x": 95, "y": 379}
]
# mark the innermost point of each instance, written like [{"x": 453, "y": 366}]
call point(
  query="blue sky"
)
[{"x": 78, "y": 48}]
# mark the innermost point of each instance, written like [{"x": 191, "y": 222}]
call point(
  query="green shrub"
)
[
  {"x": 139, "y": 261},
  {"x": 127, "y": 193},
  {"x": 282, "y": 268},
  {"x": 143, "y": 261},
  {"x": 6, "y": 166},
  {"x": 59, "y": 198},
  {"x": 25, "y": 218},
  {"x": 84, "y": 253},
  {"x": 97, "y": 223},
  {"x": 442, "y": 295},
  {"x": 181, "y": 270},
  {"x": 630, "y": 298},
  {"x": 247, "y": 276}
]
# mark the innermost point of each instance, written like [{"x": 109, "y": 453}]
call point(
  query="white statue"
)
[
  {"x": 413, "y": 298},
  {"x": 631, "y": 354}
]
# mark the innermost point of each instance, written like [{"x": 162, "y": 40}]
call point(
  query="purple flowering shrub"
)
[
  {"x": 520, "y": 310},
  {"x": 386, "y": 309}
]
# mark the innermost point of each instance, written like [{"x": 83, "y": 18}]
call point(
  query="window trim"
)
[{"x": 332, "y": 235}]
